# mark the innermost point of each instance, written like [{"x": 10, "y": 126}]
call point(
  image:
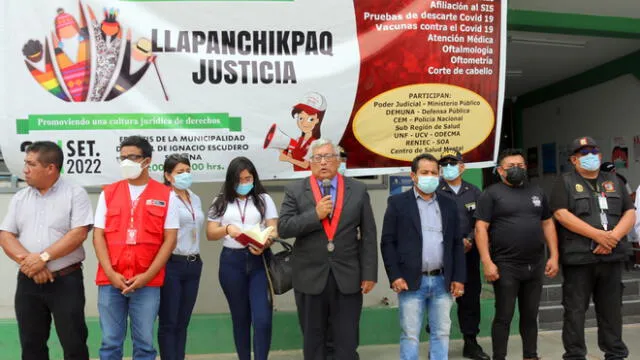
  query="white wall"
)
[
  {"x": 604, "y": 111},
  {"x": 210, "y": 298}
]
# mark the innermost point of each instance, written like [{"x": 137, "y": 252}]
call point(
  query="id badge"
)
[
  {"x": 132, "y": 236},
  {"x": 602, "y": 202},
  {"x": 604, "y": 221}
]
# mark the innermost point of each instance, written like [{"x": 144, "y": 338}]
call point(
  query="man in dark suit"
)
[
  {"x": 332, "y": 267},
  {"x": 423, "y": 255}
]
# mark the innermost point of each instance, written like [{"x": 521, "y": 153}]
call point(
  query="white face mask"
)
[{"x": 130, "y": 169}]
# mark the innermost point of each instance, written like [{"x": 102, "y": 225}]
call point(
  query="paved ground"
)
[{"x": 549, "y": 345}]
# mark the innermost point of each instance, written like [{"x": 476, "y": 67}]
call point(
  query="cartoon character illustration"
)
[
  {"x": 75, "y": 66},
  {"x": 308, "y": 114},
  {"x": 32, "y": 51},
  {"x": 126, "y": 80},
  {"x": 107, "y": 37}
]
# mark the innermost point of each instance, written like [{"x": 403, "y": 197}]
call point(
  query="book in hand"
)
[{"x": 254, "y": 237}]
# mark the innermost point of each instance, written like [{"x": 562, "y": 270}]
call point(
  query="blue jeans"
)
[
  {"x": 244, "y": 282},
  {"x": 141, "y": 307},
  {"x": 435, "y": 297},
  {"x": 177, "y": 298}
]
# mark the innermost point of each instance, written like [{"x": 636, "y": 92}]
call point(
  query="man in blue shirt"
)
[{"x": 423, "y": 255}]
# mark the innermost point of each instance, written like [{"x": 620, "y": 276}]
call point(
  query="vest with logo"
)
[
  {"x": 576, "y": 249},
  {"x": 148, "y": 219}
]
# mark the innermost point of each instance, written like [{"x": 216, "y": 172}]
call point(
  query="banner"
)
[{"x": 221, "y": 79}]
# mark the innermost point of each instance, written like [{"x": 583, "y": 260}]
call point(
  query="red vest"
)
[{"x": 148, "y": 218}]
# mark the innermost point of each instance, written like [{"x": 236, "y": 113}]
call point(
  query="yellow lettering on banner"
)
[{"x": 425, "y": 118}]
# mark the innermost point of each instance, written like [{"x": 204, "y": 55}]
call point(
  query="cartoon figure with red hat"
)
[
  {"x": 308, "y": 114},
  {"x": 71, "y": 43}
]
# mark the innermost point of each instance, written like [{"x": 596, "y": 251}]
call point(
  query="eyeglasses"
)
[
  {"x": 328, "y": 157},
  {"x": 132, "y": 157},
  {"x": 449, "y": 162},
  {"x": 586, "y": 151}
]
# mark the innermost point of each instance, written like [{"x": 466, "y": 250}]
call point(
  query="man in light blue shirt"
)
[{"x": 423, "y": 255}]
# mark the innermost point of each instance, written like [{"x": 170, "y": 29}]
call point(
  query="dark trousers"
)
[
  {"x": 35, "y": 305},
  {"x": 329, "y": 342},
  {"x": 469, "y": 303},
  {"x": 244, "y": 282},
  {"x": 314, "y": 311},
  {"x": 177, "y": 298},
  {"x": 524, "y": 283},
  {"x": 603, "y": 281}
]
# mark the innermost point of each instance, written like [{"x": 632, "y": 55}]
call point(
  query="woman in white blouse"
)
[
  {"x": 243, "y": 203},
  {"x": 182, "y": 276}
]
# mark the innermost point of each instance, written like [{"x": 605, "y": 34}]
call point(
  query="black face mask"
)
[{"x": 516, "y": 175}]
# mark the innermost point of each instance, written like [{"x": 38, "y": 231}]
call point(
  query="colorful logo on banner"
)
[{"x": 73, "y": 45}]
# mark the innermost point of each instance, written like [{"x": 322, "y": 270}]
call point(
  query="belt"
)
[
  {"x": 68, "y": 270},
  {"x": 435, "y": 272},
  {"x": 188, "y": 258},
  {"x": 244, "y": 249}
]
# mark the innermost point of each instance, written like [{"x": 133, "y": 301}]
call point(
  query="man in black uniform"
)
[
  {"x": 465, "y": 196},
  {"x": 512, "y": 218},
  {"x": 594, "y": 213}
]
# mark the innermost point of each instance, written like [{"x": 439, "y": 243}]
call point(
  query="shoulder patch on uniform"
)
[{"x": 609, "y": 186}]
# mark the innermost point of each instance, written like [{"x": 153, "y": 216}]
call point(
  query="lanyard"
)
[
  {"x": 602, "y": 205},
  {"x": 243, "y": 213},
  {"x": 189, "y": 208},
  {"x": 330, "y": 226},
  {"x": 193, "y": 216},
  {"x": 134, "y": 206}
]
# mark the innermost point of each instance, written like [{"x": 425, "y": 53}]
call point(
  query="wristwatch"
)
[{"x": 44, "y": 256}]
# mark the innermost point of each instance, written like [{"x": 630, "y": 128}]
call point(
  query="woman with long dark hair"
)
[
  {"x": 243, "y": 203},
  {"x": 182, "y": 276}
]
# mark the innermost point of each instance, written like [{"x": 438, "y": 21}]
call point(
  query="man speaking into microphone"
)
[{"x": 332, "y": 268}]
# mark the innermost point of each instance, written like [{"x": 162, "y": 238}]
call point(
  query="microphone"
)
[{"x": 326, "y": 190}]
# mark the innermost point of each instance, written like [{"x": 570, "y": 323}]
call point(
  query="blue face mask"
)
[
  {"x": 590, "y": 162},
  {"x": 428, "y": 184},
  {"x": 450, "y": 172},
  {"x": 244, "y": 189},
  {"x": 183, "y": 181},
  {"x": 342, "y": 168}
]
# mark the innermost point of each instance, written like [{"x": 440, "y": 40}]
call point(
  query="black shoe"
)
[{"x": 473, "y": 350}]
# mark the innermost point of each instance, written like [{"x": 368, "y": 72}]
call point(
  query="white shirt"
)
[
  {"x": 233, "y": 216},
  {"x": 455, "y": 188},
  {"x": 187, "y": 244},
  {"x": 171, "y": 222},
  {"x": 38, "y": 221}
]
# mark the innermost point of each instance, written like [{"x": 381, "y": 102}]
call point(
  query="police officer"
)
[
  {"x": 465, "y": 196},
  {"x": 594, "y": 212}
]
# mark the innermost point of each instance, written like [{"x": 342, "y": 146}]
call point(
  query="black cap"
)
[
  {"x": 581, "y": 142},
  {"x": 450, "y": 154},
  {"x": 607, "y": 166}
]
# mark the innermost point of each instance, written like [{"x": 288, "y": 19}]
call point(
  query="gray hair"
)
[{"x": 319, "y": 143}]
